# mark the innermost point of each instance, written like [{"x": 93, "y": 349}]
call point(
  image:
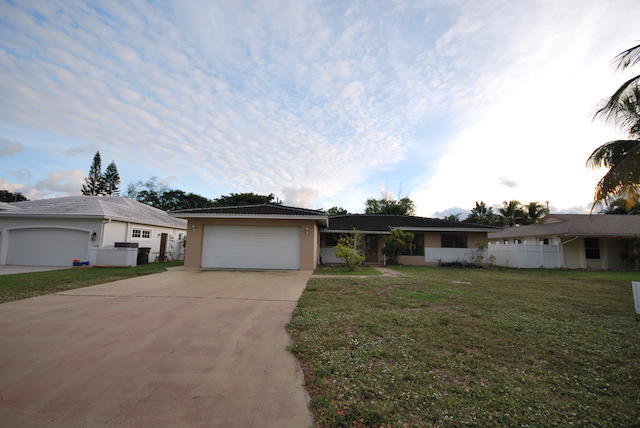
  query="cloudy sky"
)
[{"x": 320, "y": 102}]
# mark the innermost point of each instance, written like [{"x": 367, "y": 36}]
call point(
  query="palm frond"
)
[
  {"x": 620, "y": 99},
  {"x": 614, "y": 152},
  {"x": 623, "y": 177},
  {"x": 627, "y": 58}
]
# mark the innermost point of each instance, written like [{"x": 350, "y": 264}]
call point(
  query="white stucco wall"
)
[{"x": 117, "y": 231}]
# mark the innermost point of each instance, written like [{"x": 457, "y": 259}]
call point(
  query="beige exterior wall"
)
[
  {"x": 431, "y": 240},
  {"x": 474, "y": 239},
  {"x": 308, "y": 241}
]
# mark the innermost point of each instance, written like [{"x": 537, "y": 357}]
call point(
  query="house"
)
[
  {"x": 575, "y": 241},
  {"x": 54, "y": 232},
  {"x": 434, "y": 241},
  {"x": 281, "y": 237}
]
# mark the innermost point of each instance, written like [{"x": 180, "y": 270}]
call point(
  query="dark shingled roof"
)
[
  {"x": 381, "y": 222},
  {"x": 262, "y": 209}
]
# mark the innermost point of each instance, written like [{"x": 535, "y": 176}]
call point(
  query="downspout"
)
[{"x": 102, "y": 231}]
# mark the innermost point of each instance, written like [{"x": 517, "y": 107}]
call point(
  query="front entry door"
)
[
  {"x": 162, "y": 255},
  {"x": 371, "y": 248}
]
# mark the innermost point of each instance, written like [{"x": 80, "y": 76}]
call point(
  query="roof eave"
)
[
  {"x": 444, "y": 229},
  {"x": 324, "y": 219},
  {"x": 89, "y": 217}
]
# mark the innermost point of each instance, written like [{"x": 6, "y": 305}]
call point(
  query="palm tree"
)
[
  {"x": 534, "y": 212},
  {"x": 511, "y": 213},
  {"x": 482, "y": 214},
  {"x": 622, "y": 157}
]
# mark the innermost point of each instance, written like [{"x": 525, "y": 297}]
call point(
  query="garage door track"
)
[{"x": 177, "y": 349}]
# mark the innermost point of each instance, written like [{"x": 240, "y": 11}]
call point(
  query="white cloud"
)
[
  {"x": 533, "y": 119},
  {"x": 62, "y": 182},
  {"x": 299, "y": 197},
  {"x": 10, "y": 147}
]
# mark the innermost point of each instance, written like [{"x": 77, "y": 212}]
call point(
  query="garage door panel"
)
[
  {"x": 47, "y": 247},
  {"x": 251, "y": 247}
]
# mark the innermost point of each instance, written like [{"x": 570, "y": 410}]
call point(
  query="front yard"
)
[
  {"x": 485, "y": 347},
  {"x": 22, "y": 285}
]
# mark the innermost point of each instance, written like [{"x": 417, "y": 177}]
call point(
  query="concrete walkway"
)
[
  {"x": 385, "y": 272},
  {"x": 176, "y": 349}
]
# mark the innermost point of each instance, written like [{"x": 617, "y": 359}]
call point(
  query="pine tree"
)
[
  {"x": 111, "y": 180},
  {"x": 94, "y": 183}
]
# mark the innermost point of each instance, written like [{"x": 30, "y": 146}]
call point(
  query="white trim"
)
[{"x": 443, "y": 229}]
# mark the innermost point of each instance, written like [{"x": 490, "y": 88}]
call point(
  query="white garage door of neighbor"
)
[
  {"x": 251, "y": 247},
  {"x": 47, "y": 247}
]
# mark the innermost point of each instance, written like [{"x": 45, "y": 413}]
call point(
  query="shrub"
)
[
  {"x": 350, "y": 248},
  {"x": 397, "y": 242}
]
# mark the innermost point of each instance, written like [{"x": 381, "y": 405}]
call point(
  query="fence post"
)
[{"x": 636, "y": 300}]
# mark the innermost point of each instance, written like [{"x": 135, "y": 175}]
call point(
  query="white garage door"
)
[
  {"x": 251, "y": 247},
  {"x": 47, "y": 247}
]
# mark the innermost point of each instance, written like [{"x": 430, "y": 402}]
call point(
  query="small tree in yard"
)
[
  {"x": 396, "y": 243},
  {"x": 350, "y": 248}
]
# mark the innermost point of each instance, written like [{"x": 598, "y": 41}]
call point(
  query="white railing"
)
[
  {"x": 525, "y": 256},
  {"x": 447, "y": 255}
]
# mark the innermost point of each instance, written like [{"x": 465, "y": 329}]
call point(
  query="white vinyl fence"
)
[
  {"x": 525, "y": 256},
  {"x": 447, "y": 255}
]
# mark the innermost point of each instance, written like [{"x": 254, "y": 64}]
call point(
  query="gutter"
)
[{"x": 14, "y": 214}]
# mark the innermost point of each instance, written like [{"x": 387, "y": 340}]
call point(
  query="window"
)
[
  {"x": 453, "y": 240},
  {"x": 517, "y": 241},
  {"x": 418, "y": 246},
  {"x": 544, "y": 241},
  {"x": 592, "y": 248},
  {"x": 331, "y": 239},
  {"x": 141, "y": 233}
]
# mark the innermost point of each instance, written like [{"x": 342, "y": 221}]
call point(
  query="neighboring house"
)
[
  {"x": 435, "y": 240},
  {"x": 53, "y": 232},
  {"x": 575, "y": 241},
  {"x": 281, "y": 237}
]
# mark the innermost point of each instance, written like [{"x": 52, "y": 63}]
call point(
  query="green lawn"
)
[
  {"x": 344, "y": 270},
  {"x": 478, "y": 347},
  {"x": 23, "y": 285}
]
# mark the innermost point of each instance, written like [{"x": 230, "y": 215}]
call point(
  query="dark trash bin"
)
[{"x": 143, "y": 255}]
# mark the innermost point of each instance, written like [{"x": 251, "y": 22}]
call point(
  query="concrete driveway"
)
[{"x": 175, "y": 349}]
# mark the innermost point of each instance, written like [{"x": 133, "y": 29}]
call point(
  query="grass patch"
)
[
  {"x": 479, "y": 347},
  {"x": 24, "y": 285},
  {"x": 344, "y": 270}
]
